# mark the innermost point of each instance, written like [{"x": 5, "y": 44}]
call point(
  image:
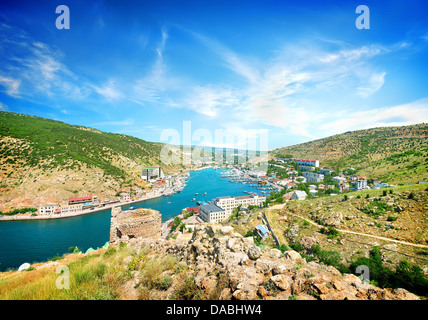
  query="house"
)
[
  {"x": 301, "y": 179},
  {"x": 338, "y": 179},
  {"x": 313, "y": 177},
  {"x": 312, "y": 187},
  {"x": 299, "y": 195},
  {"x": 261, "y": 231},
  {"x": 288, "y": 195},
  {"x": 291, "y": 185},
  {"x": 381, "y": 185},
  {"x": 48, "y": 209},
  {"x": 212, "y": 213},
  {"x": 321, "y": 187},
  {"x": 195, "y": 210},
  {"x": 343, "y": 186},
  {"x": 353, "y": 177},
  {"x": 152, "y": 173},
  {"x": 124, "y": 197},
  {"x": 325, "y": 171},
  {"x": 361, "y": 183},
  {"x": 283, "y": 182}
]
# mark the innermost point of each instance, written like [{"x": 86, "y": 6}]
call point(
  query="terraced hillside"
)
[
  {"x": 393, "y": 154},
  {"x": 45, "y": 160}
]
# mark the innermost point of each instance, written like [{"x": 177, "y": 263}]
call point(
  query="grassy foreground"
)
[{"x": 116, "y": 273}]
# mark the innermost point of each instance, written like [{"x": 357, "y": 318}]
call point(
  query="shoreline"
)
[
  {"x": 87, "y": 211},
  {"x": 74, "y": 214}
]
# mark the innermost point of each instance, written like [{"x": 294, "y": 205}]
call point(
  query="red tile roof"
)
[
  {"x": 194, "y": 209},
  {"x": 80, "y": 199}
]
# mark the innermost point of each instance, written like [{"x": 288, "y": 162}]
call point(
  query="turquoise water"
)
[{"x": 39, "y": 240}]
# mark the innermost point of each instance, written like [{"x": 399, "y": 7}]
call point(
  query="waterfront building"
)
[
  {"x": 70, "y": 208},
  {"x": 152, "y": 173},
  {"x": 80, "y": 200},
  {"x": 48, "y": 209},
  {"x": 211, "y": 213},
  {"x": 124, "y": 196}
]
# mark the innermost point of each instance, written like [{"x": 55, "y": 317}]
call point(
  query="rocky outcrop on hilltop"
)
[
  {"x": 139, "y": 223},
  {"x": 225, "y": 262}
]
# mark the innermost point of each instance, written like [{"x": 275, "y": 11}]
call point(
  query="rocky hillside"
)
[
  {"x": 393, "y": 154},
  {"x": 216, "y": 264},
  {"x": 44, "y": 160}
]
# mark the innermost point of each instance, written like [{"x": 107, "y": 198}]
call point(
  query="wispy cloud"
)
[
  {"x": 109, "y": 90},
  {"x": 404, "y": 114},
  {"x": 11, "y": 85}
]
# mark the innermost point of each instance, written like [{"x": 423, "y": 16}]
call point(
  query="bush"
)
[
  {"x": 407, "y": 276},
  {"x": 331, "y": 232}
]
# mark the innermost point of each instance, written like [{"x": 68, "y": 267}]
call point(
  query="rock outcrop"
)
[{"x": 221, "y": 259}]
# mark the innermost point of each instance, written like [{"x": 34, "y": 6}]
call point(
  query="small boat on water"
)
[
  {"x": 193, "y": 199},
  {"x": 205, "y": 193},
  {"x": 196, "y": 194},
  {"x": 131, "y": 208}
]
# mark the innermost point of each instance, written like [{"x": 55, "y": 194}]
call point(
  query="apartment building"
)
[
  {"x": 313, "y": 177},
  {"x": 212, "y": 213},
  {"x": 152, "y": 173},
  {"x": 229, "y": 203},
  {"x": 361, "y": 183},
  {"x": 312, "y": 163}
]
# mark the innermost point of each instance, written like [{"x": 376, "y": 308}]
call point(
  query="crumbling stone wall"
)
[{"x": 138, "y": 223}]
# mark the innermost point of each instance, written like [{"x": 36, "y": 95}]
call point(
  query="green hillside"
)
[
  {"x": 51, "y": 143},
  {"x": 395, "y": 154},
  {"x": 44, "y": 160}
]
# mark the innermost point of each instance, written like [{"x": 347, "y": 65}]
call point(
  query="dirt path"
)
[
  {"x": 281, "y": 206},
  {"x": 364, "y": 234}
]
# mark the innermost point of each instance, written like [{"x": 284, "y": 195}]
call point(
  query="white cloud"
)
[
  {"x": 375, "y": 83},
  {"x": 109, "y": 90},
  {"x": 11, "y": 85},
  {"x": 405, "y": 114},
  {"x": 126, "y": 122}
]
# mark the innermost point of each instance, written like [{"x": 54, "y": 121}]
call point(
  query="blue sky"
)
[{"x": 299, "y": 69}]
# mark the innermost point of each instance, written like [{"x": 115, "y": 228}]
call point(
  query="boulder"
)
[
  {"x": 24, "y": 266},
  {"x": 280, "y": 281},
  {"x": 292, "y": 255},
  {"x": 308, "y": 242},
  {"x": 254, "y": 253},
  {"x": 226, "y": 230}
]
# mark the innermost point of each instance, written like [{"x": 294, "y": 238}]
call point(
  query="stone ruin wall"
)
[{"x": 139, "y": 223}]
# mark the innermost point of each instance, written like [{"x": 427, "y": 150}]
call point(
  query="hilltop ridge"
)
[
  {"x": 45, "y": 160},
  {"x": 395, "y": 154}
]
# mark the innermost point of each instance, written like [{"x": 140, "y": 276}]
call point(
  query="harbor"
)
[{"x": 41, "y": 239}]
